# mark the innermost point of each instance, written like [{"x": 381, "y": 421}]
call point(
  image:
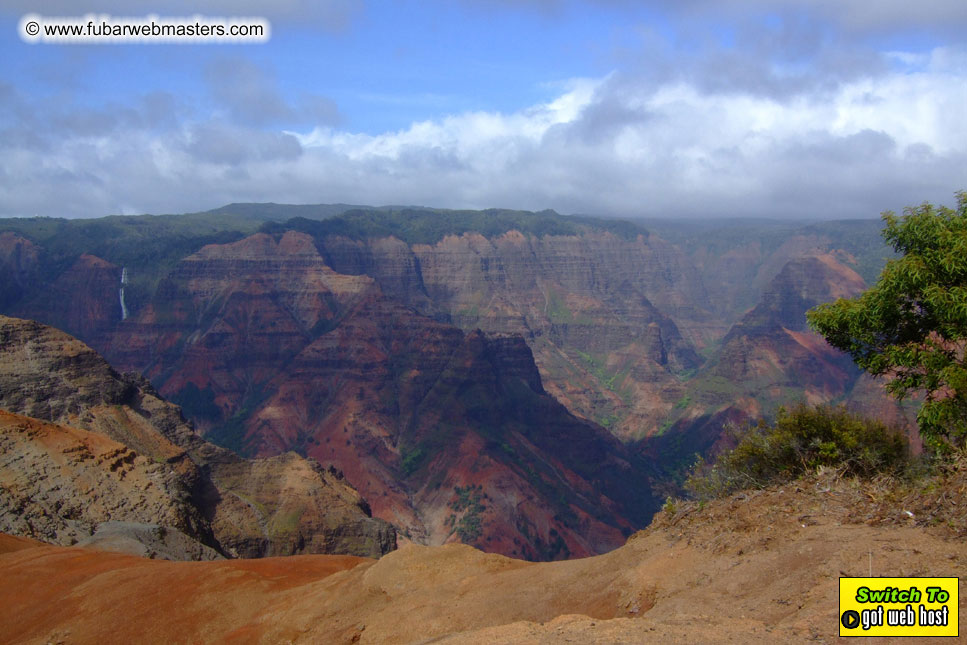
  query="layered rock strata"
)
[
  {"x": 450, "y": 435},
  {"x": 226, "y": 501}
]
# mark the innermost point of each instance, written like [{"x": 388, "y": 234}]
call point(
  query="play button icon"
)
[{"x": 850, "y": 619}]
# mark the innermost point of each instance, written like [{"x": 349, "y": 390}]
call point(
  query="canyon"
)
[{"x": 527, "y": 383}]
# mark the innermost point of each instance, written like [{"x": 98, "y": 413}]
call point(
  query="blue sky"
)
[{"x": 690, "y": 108}]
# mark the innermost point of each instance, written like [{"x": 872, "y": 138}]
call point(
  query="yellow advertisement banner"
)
[{"x": 898, "y": 606}]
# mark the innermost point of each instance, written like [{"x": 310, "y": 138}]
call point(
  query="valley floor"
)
[{"x": 759, "y": 564}]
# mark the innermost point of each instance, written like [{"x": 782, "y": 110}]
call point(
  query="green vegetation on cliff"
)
[
  {"x": 430, "y": 225},
  {"x": 469, "y": 503},
  {"x": 800, "y": 441},
  {"x": 149, "y": 245}
]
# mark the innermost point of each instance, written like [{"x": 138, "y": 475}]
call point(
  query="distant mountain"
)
[
  {"x": 612, "y": 314},
  {"x": 770, "y": 358}
]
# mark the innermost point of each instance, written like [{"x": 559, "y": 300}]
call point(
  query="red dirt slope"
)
[{"x": 761, "y": 566}]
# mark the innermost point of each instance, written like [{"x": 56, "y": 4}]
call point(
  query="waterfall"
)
[{"x": 124, "y": 281}]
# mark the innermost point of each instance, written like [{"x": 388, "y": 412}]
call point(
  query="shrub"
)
[{"x": 800, "y": 441}]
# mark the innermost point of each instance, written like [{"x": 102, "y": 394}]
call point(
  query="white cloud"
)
[
  {"x": 614, "y": 145},
  {"x": 676, "y": 147},
  {"x": 467, "y": 136}
]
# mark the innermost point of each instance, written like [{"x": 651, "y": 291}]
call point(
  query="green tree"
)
[{"x": 911, "y": 326}]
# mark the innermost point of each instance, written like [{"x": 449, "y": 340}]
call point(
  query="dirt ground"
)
[{"x": 760, "y": 566}]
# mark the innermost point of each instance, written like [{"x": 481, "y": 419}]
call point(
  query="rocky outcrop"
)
[
  {"x": 58, "y": 484},
  {"x": 152, "y": 541},
  {"x": 50, "y": 375},
  {"x": 287, "y": 505}
]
